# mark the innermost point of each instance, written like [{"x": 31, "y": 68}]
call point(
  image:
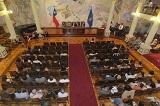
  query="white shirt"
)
[
  {"x": 130, "y": 76},
  {"x": 52, "y": 81},
  {"x": 92, "y": 54},
  {"x": 37, "y": 61},
  {"x": 114, "y": 90},
  {"x": 22, "y": 95},
  {"x": 37, "y": 95},
  {"x": 158, "y": 85},
  {"x": 63, "y": 54},
  {"x": 137, "y": 65},
  {"x": 64, "y": 81},
  {"x": 62, "y": 95},
  {"x": 120, "y": 27}
]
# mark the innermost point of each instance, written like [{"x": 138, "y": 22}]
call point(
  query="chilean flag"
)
[{"x": 55, "y": 21}]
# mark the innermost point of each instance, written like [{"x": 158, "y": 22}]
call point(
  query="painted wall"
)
[
  {"x": 77, "y": 10},
  {"x": 71, "y": 10},
  {"x": 22, "y": 13}
]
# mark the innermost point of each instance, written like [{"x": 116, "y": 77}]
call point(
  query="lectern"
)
[{"x": 100, "y": 32}]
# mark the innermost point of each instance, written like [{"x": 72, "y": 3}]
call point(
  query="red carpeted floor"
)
[
  {"x": 154, "y": 58},
  {"x": 81, "y": 89}
]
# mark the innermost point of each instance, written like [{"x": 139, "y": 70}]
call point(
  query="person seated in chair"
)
[
  {"x": 114, "y": 89},
  {"x": 64, "y": 80},
  {"x": 62, "y": 94},
  {"x": 150, "y": 74},
  {"x": 36, "y": 94},
  {"x": 40, "y": 80},
  {"x": 104, "y": 90},
  {"x": 135, "y": 85},
  {"x": 26, "y": 79},
  {"x": 158, "y": 84},
  {"x": 110, "y": 77},
  {"x": 21, "y": 94},
  {"x": 94, "y": 60},
  {"x": 130, "y": 76},
  {"x": 52, "y": 80}
]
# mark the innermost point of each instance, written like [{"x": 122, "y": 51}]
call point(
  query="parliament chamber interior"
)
[{"x": 79, "y": 52}]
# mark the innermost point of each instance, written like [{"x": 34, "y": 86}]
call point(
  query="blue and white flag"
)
[{"x": 90, "y": 18}]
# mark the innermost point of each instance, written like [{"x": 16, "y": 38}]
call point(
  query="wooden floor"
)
[{"x": 8, "y": 64}]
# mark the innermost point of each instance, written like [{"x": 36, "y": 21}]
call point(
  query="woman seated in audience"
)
[
  {"x": 21, "y": 94},
  {"x": 36, "y": 94},
  {"x": 62, "y": 94}
]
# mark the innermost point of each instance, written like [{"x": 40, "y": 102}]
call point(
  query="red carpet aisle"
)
[
  {"x": 81, "y": 89},
  {"x": 154, "y": 58}
]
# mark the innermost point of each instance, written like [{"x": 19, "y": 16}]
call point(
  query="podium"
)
[
  {"x": 74, "y": 31},
  {"x": 100, "y": 32}
]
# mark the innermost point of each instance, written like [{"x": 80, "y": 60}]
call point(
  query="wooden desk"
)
[{"x": 70, "y": 31}]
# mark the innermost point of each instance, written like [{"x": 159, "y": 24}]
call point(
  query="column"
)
[
  {"x": 145, "y": 47},
  {"x": 44, "y": 11},
  {"x": 36, "y": 18},
  {"x": 135, "y": 20},
  {"x": 110, "y": 18},
  {"x": 8, "y": 22}
]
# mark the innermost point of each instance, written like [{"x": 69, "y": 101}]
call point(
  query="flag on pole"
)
[
  {"x": 90, "y": 18},
  {"x": 55, "y": 21}
]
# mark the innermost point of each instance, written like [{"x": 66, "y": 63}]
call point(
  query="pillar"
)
[
  {"x": 135, "y": 20},
  {"x": 8, "y": 22},
  {"x": 36, "y": 18},
  {"x": 145, "y": 47},
  {"x": 43, "y": 10},
  {"x": 110, "y": 18}
]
